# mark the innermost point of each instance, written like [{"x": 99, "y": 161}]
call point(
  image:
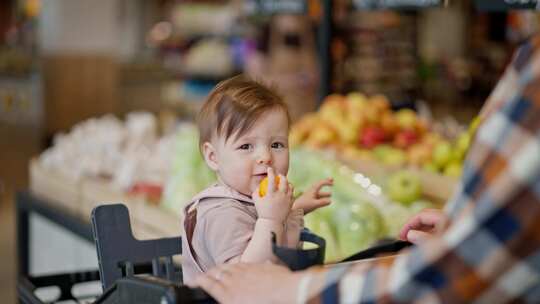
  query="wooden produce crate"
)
[{"x": 55, "y": 187}]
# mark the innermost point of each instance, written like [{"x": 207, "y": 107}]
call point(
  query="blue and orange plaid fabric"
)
[{"x": 490, "y": 251}]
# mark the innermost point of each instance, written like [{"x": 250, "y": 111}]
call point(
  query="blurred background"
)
[{"x": 97, "y": 100}]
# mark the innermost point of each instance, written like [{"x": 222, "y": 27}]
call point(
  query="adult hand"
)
[
  {"x": 250, "y": 283},
  {"x": 427, "y": 222}
]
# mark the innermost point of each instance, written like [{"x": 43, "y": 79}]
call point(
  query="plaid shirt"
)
[{"x": 490, "y": 251}]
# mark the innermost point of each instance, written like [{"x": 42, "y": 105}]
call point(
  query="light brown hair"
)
[{"x": 234, "y": 105}]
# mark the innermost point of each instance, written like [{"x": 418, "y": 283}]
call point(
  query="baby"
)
[{"x": 244, "y": 129}]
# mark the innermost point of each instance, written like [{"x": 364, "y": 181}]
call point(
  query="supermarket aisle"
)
[{"x": 17, "y": 146}]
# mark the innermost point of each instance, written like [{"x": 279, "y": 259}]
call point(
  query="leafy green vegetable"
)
[{"x": 190, "y": 174}]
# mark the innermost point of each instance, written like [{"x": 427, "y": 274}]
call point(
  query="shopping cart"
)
[
  {"x": 133, "y": 271},
  {"x": 130, "y": 271}
]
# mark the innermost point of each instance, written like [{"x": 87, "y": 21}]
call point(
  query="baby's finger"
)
[
  {"x": 283, "y": 184},
  {"x": 323, "y": 202},
  {"x": 324, "y": 194},
  {"x": 325, "y": 182},
  {"x": 271, "y": 178}
]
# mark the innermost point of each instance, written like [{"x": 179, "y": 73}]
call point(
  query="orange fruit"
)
[{"x": 263, "y": 187}]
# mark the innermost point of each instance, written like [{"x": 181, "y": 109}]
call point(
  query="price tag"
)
[{"x": 504, "y": 5}]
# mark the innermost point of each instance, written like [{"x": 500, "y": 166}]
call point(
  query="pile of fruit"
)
[
  {"x": 362, "y": 127},
  {"x": 363, "y": 209}
]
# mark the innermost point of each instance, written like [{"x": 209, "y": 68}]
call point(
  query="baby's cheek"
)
[{"x": 253, "y": 186}]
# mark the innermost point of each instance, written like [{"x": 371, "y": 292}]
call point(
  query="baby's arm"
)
[
  {"x": 272, "y": 210},
  {"x": 229, "y": 233},
  {"x": 259, "y": 248},
  {"x": 239, "y": 239}
]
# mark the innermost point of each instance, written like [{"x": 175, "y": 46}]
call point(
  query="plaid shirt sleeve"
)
[{"x": 490, "y": 252}]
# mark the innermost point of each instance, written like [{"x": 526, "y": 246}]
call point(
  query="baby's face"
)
[{"x": 243, "y": 161}]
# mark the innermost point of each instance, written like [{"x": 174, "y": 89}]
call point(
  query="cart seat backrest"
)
[{"x": 119, "y": 253}]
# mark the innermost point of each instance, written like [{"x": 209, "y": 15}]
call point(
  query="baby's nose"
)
[{"x": 264, "y": 158}]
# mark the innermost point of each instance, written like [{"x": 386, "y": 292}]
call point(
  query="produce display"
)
[
  {"x": 129, "y": 154},
  {"x": 189, "y": 173},
  {"x": 134, "y": 159},
  {"x": 108, "y": 160},
  {"x": 362, "y": 127}
]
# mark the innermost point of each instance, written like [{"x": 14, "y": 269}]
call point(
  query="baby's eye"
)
[
  {"x": 277, "y": 145},
  {"x": 245, "y": 147}
]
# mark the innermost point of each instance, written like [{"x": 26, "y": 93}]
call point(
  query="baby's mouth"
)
[{"x": 260, "y": 176}]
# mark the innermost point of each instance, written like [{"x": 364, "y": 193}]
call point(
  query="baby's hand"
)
[
  {"x": 314, "y": 198},
  {"x": 276, "y": 204}
]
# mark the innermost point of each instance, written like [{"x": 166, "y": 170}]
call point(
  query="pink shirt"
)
[{"x": 218, "y": 225}]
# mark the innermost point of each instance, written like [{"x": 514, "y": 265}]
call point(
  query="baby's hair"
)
[{"x": 234, "y": 105}]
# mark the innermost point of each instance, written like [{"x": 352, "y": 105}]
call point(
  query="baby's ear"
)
[{"x": 210, "y": 156}]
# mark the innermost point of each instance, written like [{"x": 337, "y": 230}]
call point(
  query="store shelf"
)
[
  {"x": 396, "y": 4},
  {"x": 79, "y": 197},
  {"x": 54, "y": 187},
  {"x": 504, "y": 5}
]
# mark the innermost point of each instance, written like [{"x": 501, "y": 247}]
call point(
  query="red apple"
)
[
  {"x": 371, "y": 137},
  {"x": 405, "y": 138}
]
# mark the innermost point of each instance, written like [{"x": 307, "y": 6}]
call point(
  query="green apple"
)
[
  {"x": 404, "y": 187},
  {"x": 406, "y": 119},
  {"x": 453, "y": 169},
  {"x": 474, "y": 125},
  {"x": 431, "y": 167},
  {"x": 442, "y": 154},
  {"x": 464, "y": 141},
  {"x": 381, "y": 151},
  {"x": 462, "y": 145}
]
